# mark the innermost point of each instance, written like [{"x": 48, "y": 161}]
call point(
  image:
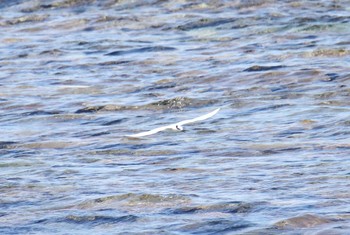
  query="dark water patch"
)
[
  {"x": 280, "y": 150},
  {"x": 141, "y": 50},
  {"x": 113, "y": 165},
  {"x": 251, "y": 48},
  {"x": 22, "y": 55},
  {"x": 129, "y": 151},
  {"x": 114, "y": 122},
  {"x": 215, "y": 226},
  {"x": 95, "y": 220},
  {"x": 108, "y": 63},
  {"x": 93, "y": 121},
  {"x": 89, "y": 29},
  {"x": 343, "y": 43},
  {"x": 230, "y": 207},
  {"x": 340, "y": 133},
  {"x": 306, "y": 20},
  {"x": 113, "y": 152},
  {"x": 157, "y": 87},
  {"x": 258, "y": 68},
  {"x": 42, "y": 112},
  {"x": 7, "y": 144},
  {"x": 83, "y": 43},
  {"x": 289, "y": 133},
  {"x": 344, "y": 147},
  {"x": 108, "y": 107},
  {"x": 267, "y": 108},
  {"x": 74, "y": 66},
  {"x": 53, "y": 52},
  {"x": 100, "y": 133},
  {"x": 281, "y": 88},
  {"x": 111, "y": 146},
  {"x": 310, "y": 37},
  {"x": 204, "y": 23},
  {"x": 144, "y": 146},
  {"x": 133, "y": 146},
  {"x": 266, "y": 150},
  {"x": 181, "y": 170}
]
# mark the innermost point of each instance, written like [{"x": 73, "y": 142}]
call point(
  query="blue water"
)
[{"x": 77, "y": 77}]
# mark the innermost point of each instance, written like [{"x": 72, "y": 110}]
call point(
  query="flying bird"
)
[{"x": 176, "y": 126}]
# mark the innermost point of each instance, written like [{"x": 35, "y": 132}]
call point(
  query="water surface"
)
[{"x": 77, "y": 76}]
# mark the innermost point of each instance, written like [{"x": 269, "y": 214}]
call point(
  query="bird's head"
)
[{"x": 179, "y": 128}]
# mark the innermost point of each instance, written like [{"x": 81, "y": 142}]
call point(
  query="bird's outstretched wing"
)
[
  {"x": 197, "y": 119},
  {"x": 173, "y": 126},
  {"x": 151, "y": 132}
]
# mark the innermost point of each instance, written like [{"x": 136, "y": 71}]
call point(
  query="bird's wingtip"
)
[{"x": 216, "y": 110}]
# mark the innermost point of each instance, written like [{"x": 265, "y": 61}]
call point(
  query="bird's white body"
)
[{"x": 176, "y": 126}]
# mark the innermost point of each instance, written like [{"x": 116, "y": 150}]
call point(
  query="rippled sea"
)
[{"x": 76, "y": 77}]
